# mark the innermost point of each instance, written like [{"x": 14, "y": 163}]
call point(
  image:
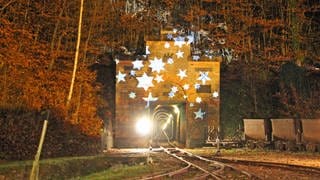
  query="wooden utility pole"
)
[{"x": 76, "y": 56}]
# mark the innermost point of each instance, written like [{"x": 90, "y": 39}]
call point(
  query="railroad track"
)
[
  {"x": 290, "y": 167},
  {"x": 197, "y": 167}
]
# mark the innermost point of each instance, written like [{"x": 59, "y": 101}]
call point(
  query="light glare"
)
[{"x": 143, "y": 126}]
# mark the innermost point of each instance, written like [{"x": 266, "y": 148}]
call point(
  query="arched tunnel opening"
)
[{"x": 169, "y": 123}]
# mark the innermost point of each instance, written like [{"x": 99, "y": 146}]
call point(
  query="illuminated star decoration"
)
[
  {"x": 186, "y": 86},
  {"x": 182, "y": 73},
  {"x": 190, "y": 38},
  {"x": 149, "y": 99},
  {"x": 167, "y": 45},
  {"x": 174, "y": 89},
  {"x": 156, "y": 65},
  {"x": 145, "y": 81},
  {"x": 215, "y": 94},
  {"x": 204, "y": 76},
  {"x": 179, "y": 54},
  {"x": 179, "y": 41},
  {"x": 197, "y": 86},
  {"x": 120, "y": 77},
  {"x": 137, "y": 64},
  {"x": 132, "y": 95},
  {"x": 199, "y": 114},
  {"x": 195, "y": 57},
  {"x": 132, "y": 73},
  {"x": 198, "y": 100},
  {"x": 147, "y": 50},
  {"x": 170, "y": 60},
  {"x": 171, "y": 94},
  {"x": 158, "y": 78}
]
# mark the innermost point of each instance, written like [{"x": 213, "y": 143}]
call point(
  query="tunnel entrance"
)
[{"x": 169, "y": 123}]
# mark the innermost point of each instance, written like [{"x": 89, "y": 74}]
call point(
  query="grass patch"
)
[
  {"x": 65, "y": 168},
  {"x": 121, "y": 172}
]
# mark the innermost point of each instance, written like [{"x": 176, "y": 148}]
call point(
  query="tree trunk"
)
[{"x": 76, "y": 56}]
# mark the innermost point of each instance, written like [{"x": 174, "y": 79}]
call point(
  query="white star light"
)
[
  {"x": 150, "y": 99},
  {"x": 179, "y": 41},
  {"x": 174, "y": 89},
  {"x": 174, "y": 30},
  {"x": 199, "y": 114},
  {"x": 186, "y": 86},
  {"x": 171, "y": 94},
  {"x": 191, "y": 104},
  {"x": 158, "y": 78},
  {"x": 120, "y": 77},
  {"x": 204, "y": 76},
  {"x": 132, "y": 95},
  {"x": 195, "y": 57},
  {"x": 167, "y": 45},
  {"x": 145, "y": 81},
  {"x": 156, "y": 65},
  {"x": 116, "y": 60},
  {"x": 133, "y": 73},
  {"x": 137, "y": 64},
  {"x": 182, "y": 73},
  {"x": 170, "y": 61},
  {"x": 198, "y": 100},
  {"x": 196, "y": 86},
  {"x": 190, "y": 39},
  {"x": 147, "y": 50},
  {"x": 179, "y": 54},
  {"x": 215, "y": 94},
  {"x": 185, "y": 96}
]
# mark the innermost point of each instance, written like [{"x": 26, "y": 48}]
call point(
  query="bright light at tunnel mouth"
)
[{"x": 143, "y": 126}]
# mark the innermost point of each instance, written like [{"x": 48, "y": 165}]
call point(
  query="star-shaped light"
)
[
  {"x": 182, "y": 73},
  {"x": 204, "y": 76},
  {"x": 120, "y": 77},
  {"x": 147, "y": 50},
  {"x": 149, "y": 99},
  {"x": 171, "y": 94},
  {"x": 158, "y": 78},
  {"x": 195, "y": 57},
  {"x": 132, "y": 95},
  {"x": 169, "y": 36},
  {"x": 156, "y": 65},
  {"x": 137, "y": 64},
  {"x": 215, "y": 94},
  {"x": 199, "y": 114},
  {"x": 190, "y": 39},
  {"x": 186, "y": 86},
  {"x": 179, "y": 41},
  {"x": 116, "y": 60},
  {"x": 174, "y": 89},
  {"x": 198, "y": 100},
  {"x": 132, "y": 73},
  {"x": 175, "y": 30},
  {"x": 145, "y": 81},
  {"x": 179, "y": 54},
  {"x": 185, "y": 96},
  {"x": 170, "y": 60},
  {"x": 191, "y": 104},
  {"x": 197, "y": 86},
  {"x": 167, "y": 45}
]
